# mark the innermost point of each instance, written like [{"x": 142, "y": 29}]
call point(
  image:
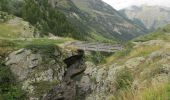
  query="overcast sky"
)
[{"x": 119, "y": 4}]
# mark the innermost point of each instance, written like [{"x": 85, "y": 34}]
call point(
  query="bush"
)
[{"x": 124, "y": 79}]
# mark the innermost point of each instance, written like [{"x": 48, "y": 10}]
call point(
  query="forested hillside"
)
[
  {"x": 66, "y": 18},
  {"x": 41, "y": 15},
  {"x": 99, "y": 18}
]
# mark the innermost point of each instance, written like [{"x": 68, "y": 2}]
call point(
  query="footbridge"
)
[{"x": 95, "y": 46}]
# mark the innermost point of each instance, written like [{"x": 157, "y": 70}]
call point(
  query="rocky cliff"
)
[{"x": 46, "y": 75}]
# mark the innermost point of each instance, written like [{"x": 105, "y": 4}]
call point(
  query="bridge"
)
[{"x": 95, "y": 46}]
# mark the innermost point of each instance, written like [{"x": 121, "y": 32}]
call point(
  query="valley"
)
[{"x": 83, "y": 50}]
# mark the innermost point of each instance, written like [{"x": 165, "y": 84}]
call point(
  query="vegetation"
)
[
  {"x": 160, "y": 34},
  {"x": 43, "y": 86},
  {"x": 47, "y": 19},
  {"x": 161, "y": 92},
  {"x": 124, "y": 79},
  {"x": 42, "y": 16},
  {"x": 9, "y": 88}
]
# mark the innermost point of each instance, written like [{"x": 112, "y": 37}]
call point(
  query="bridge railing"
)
[{"x": 103, "y": 47}]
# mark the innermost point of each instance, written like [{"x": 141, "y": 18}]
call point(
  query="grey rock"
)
[
  {"x": 134, "y": 62},
  {"x": 85, "y": 83},
  {"x": 35, "y": 59}
]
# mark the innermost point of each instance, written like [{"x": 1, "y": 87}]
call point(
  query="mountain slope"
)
[
  {"x": 152, "y": 17},
  {"x": 160, "y": 34},
  {"x": 81, "y": 19},
  {"x": 98, "y": 18}
]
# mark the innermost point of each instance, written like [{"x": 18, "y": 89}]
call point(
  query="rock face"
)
[
  {"x": 98, "y": 82},
  {"x": 34, "y": 68},
  {"x": 66, "y": 90}
]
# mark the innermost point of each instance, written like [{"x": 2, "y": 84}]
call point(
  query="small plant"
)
[{"x": 124, "y": 79}]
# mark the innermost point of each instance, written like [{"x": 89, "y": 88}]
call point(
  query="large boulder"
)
[{"x": 34, "y": 68}]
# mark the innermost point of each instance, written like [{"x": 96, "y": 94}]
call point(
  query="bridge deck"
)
[{"x": 102, "y": 47}]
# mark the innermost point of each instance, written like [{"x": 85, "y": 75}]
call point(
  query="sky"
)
[{"x": 120, "y": 4}]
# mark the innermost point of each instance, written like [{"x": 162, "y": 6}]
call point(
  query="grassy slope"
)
[{"x": 143, "y": 48}]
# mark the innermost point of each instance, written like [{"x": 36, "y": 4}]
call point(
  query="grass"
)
[
  {"x": 160, "y": 92},
  {"x": 10, "y": 31},
  {"x": 43, "y": 86},
  {"x": 130, "y": 52},
  {"x": 32, "y": 41},
  {"x": 155, "y": 67},
  {"x": 8, "y": 45}
]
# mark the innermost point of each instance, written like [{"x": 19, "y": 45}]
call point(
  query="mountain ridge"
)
[
  {"x": 99, "y": 19},
  {"x": 152, "y": 17}
]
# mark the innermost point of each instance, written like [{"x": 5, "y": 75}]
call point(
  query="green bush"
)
[{"x": 124, "y": 79}]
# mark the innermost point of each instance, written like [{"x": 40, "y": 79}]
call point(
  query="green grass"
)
[
  {"x": 32, "y": 41},
  {"x": 43, "y": 86},
  {"x": 160, "y": 92},
  {"x": 8, "y": 45},
  {"x": 10, "y": 31}
]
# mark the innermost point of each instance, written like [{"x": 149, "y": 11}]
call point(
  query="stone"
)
[
  {"x": 29, "y": 68},
  {"x": 89, "y": 70},
  {"x": 160, "y": 79},
  {"x": 46, "y": 75},
  {"x": 85, "y": 83},
  {"x": 34, "y": 60},
  {"x": 134, "y": 62}
]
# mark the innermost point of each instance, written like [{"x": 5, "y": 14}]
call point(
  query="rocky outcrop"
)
[
  {"x": 66, "y": 90},
  {"x": 134, "y": 62},
  {"x": 61, "y": 75},
  {"x": 98, "y": 82},
  {"x": 34, "y": 68}
]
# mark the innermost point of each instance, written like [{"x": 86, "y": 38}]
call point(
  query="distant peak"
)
[{"x": 134, "y": 7}]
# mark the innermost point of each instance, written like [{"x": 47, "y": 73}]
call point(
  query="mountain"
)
[
  {"x": 152, "y": 17},
  {"x": 98, "y": 19},
  {"x": 91, "y": 20}
]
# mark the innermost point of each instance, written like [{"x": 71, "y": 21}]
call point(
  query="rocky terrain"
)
[
  {"x": 34, "y": 66},
  {"x": 140, "y": 72}
]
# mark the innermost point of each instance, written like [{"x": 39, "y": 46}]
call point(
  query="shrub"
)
[{"x": 124, "y": 79}]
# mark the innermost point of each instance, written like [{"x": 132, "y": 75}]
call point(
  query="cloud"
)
[{"x": 120, "y": 4}]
